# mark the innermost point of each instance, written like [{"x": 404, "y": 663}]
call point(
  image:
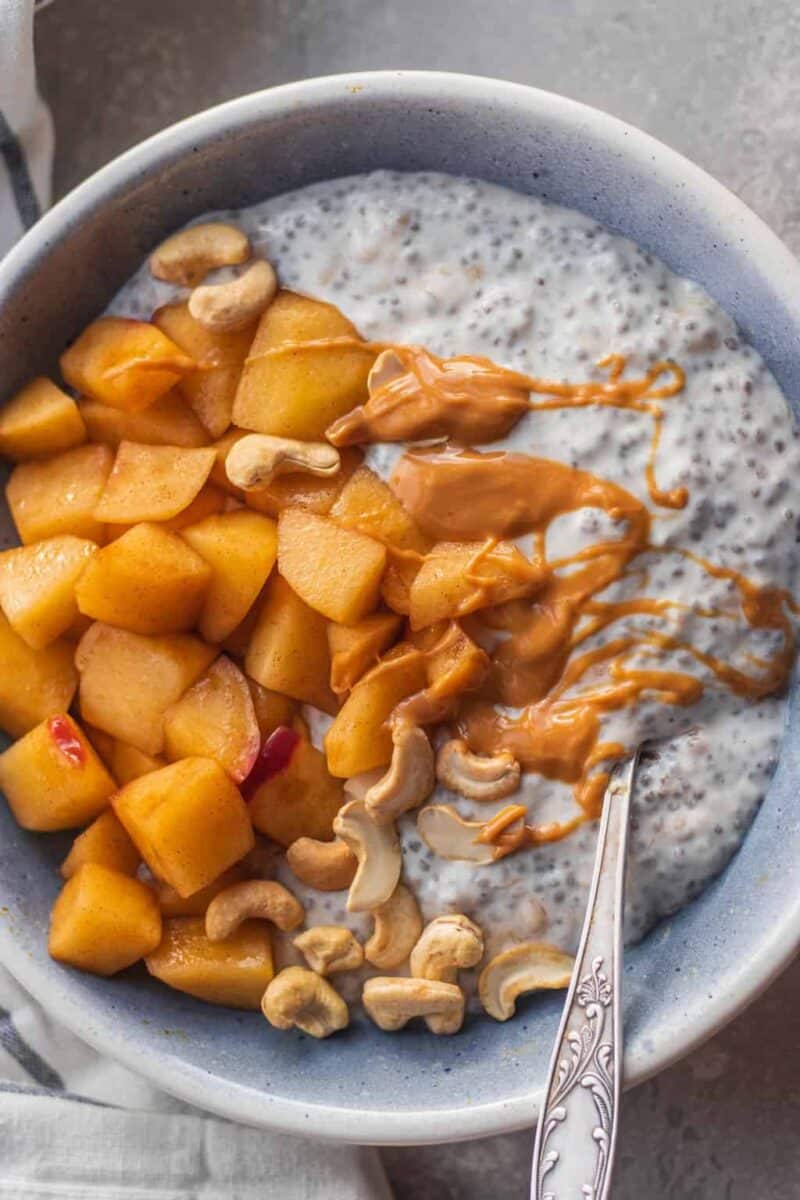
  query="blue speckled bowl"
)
[{"x": 695, "y": 971}]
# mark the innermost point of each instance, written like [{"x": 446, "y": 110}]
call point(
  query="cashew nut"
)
[
  {"x": 299, "y": 997},
  {"x": 255, "y": 898},
  {"x": 330, "y": 948},
  {"x": 357, "y": 786},
  {"x": 225, "y": 307},
  {"x": 326, "y": 866},
  {"x": 449, "y": 944},
  {"x": 449, "y": 836},
  {"x": 398, "y": 924},
  {"x": 256, "y": 459},
  {"x": 410, "y": 778},
  {"x": 378, "y": 852},
  {"x": 529, "y": 967},
  {"x": 188, "y": 256},
  {"x": 475, "y": 776},
  {"x": 391, "y": 1002}
]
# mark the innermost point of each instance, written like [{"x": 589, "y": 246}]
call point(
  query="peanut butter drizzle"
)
[{"x": 457, "y": 493}]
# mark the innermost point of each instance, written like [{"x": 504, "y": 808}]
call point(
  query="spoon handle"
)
[{"x": 576, "y": 1135}]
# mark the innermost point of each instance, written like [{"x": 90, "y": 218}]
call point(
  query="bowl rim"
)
[{"x": 780, "y": 944}]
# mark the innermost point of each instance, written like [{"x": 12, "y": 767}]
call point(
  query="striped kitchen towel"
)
[{"x": 73, "y": 1124}]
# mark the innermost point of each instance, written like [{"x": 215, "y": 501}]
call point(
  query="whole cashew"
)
[
  {"x": 188, "y": 256},
  {"x": 326, "y": 866},
  {"x": 448, "y": 835},
  {"x": 226, "y": 307},
  {"x": 255, "y": 898},
  {"x": 449, "y": 944},
  {"x": 528, "y": 967},
  {"x": 410, "y": 778},
  {"x": 330, "y": 948},
  {"x": 301, "y": 998},
  {"x": 378, "y": 852},
  {"x": 474, "y": 776},
  {"x": 391, "y": 1002},
  {"x": 257, "y": 459},
  {"x": 398, "y": 924}
]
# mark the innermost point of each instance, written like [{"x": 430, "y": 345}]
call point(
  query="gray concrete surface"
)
[{"x": 719, "y": 81}]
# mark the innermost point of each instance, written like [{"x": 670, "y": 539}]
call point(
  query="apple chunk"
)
[
  {"x": 59, "y": 495},
  {"x": 37, "y": 587},
  {"x": 127, "y": 364},
  {"x": 240, "y": 548},
  {"x": 148, "y": 581},
  {"x": 104, "y": 842},
  {"x": 34, "y": 684},
  {"x": 188, "y": 821},
  {"x": 153, "y": 483},
  {"x": 234, "y": 973},
  {"x": 215, "y": 719},
  {"x": 291, "y": 792},
  {"x": 288, "y": 648},
  {"x": 52, "y": 777},
  {"x": 168, "y": 421},
  {"x": 128, "y": 681},
  {"x": 335, "y": 571},
  {"x": 103, "y": 921},
  {"x": 39, "y": 421}
]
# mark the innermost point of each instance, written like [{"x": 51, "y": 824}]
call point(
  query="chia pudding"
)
[{"x": 463, "y": 267}]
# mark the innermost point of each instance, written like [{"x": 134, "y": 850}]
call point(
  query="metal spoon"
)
[{"x": 576, "y": 1136}]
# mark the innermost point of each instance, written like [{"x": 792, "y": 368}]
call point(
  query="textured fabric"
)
[{"x": 75, "y": 1125}]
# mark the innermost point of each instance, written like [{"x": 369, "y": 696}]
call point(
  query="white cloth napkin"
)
[{"x": 73, "y": 1124}]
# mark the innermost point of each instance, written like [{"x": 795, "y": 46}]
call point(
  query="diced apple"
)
[
  {"x": 299, "y": 490},
  {"x": 39, "y": 421},
  {"x": 220, "y": 357},
  {"x": 188, "y": 821},
  {"x": 173, "y": 905},
  {"x": 368, "y": 504},
  {"x": 127, "y": 364},
  {"x": 104, "y": 842},
  {"x": 152, "y": 483},
  {"x": 128, "y": 681},
  {"x": 103, "y": 921},
  {"x": 147, "y": 581},
  {"x": 458, "y": 578},
  {"x": 359, "y": 738},
  {"x": 59, "y": 496},
  {"x": 454, "y": 664},
  {"x": 208, "y": 501},
  {"x": 52, "y": 777},
  {"x": 215, "y": 719},
  {"x": 290, "y": 389},
  {"x": 356, "y": 648},
  {"x": 103, "y": 743},
  {"x": 168, "y": 421},
  {"x": 271, "y": 708},
  {"x": 37, "y": 587},
  {"x": 292, "y": 793},
  {"x": 288, "y": 649},
  {"x": 234, "y": 973},
  {"x": 129, "y": 763},
  {"x": 34, "y": 684},
  {"x": 240, "y": 548},
  {"x": 334, "y": 570}
]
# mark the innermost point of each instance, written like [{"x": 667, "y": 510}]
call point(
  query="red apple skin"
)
[
  {"x": 274, "y": 756},
  {"x": 67, "y": 742}
]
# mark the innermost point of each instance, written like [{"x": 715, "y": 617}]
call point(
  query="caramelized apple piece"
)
[
  {"x": 240, "y": 548},
  {"x": 288, "y": 649},
  {"x": 59, "y": 496},
  {"x": 356, "y": 648},
  {"x": 103, "y": 921},
  {"x": 215, "y": 719},
  {"x": 291, "y": 389},
  {"x": 128, "y": 681},
  {"x": 34, "y": 684},
  {"x": 360, "y": 738},
  {"x": 458, "y": 578},
  {"x": 336, "y": 571},
  {"x": 188, "y": 822},
  {"x": 168, "y": 421},
  {"x": 40, "y": 420},
  {"x": 37, "y": 587},
  {"x": 234, "y": 973},
  {"x": 127, "y": 364},
  {"x": 152, "y": 483},
  {"x": 104, "y": 842},
  {"x": 294, "y": 795},
  {"x": 52, "y": 777}
]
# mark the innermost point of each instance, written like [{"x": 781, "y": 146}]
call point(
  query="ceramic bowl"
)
[{"x": 695, "y": 971}]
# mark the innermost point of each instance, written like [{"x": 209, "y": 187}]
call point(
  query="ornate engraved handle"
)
[{"x": 575, "y": 1138}]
